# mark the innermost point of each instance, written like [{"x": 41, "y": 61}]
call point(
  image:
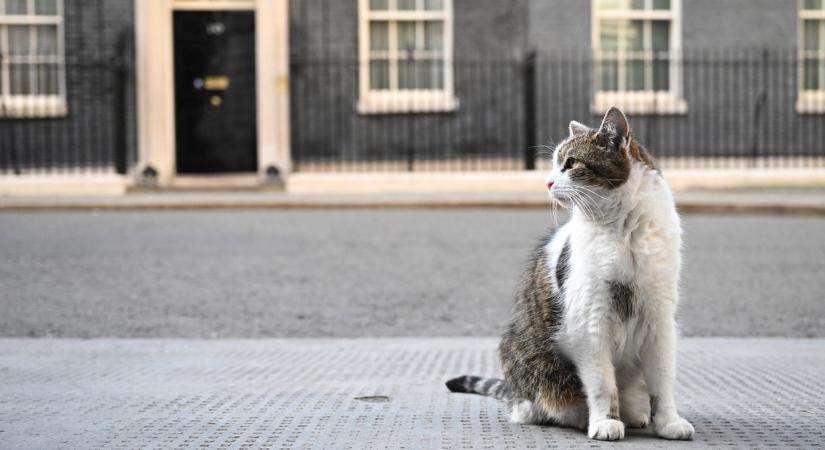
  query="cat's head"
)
[{"x": 591, "y": 165}]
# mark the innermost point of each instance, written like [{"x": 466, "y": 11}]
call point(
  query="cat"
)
[{"x": 592, "y": 341}]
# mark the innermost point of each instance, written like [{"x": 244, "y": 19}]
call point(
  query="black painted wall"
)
[{"x": 98, "y": 131}]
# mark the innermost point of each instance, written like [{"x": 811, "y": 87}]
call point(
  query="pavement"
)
[
  {"x": 800, "y": 200},
  {"x": 368, "y": 394}
]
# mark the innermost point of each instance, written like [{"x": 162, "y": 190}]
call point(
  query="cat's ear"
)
[
  {"x": 577, "y": 129},
  {"x": 615, "y": 127}
]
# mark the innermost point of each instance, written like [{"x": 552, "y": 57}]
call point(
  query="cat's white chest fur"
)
[{"x": 640, "y": 251}]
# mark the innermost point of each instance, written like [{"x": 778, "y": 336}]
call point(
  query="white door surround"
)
[{"x": 155, "y": 85}]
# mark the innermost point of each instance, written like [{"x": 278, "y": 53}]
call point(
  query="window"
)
[
  {"x": 32, "y": 72},
  {"x": 405, "y": 56},
  {"x": 636, "y": 46},
  {"x": 811, "y": 57}
]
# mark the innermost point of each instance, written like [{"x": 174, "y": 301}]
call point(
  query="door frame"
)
[{"x": 155, "y": 83}]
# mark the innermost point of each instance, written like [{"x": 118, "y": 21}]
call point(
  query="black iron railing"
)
[
  {"x": 705, "y": 109},
  {"x": 76, "y": 123},
  {"x": 700, "y": 109}
]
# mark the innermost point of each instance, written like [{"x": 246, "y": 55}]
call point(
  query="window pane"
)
[
  {"x": 421, "y": 74},
  {"x": 19, "y": 40},
  {"x": 406, "y": 5},
  {"x": 813, "y": 4},
  {"x": 637, "y": 4},
  {"x": 608, "y": 75},
  {"x": 379, "y": 74},
  {"x": 16, "y": 6},
  {"x": 434, "y": 36},
  {"x": 47, "y": 40},
  {"x": 811, "y": 74},
  {"x": 609, "y": 35},
  {"x": 635, "y": 36},
  {"x": 634, "y": 75},
  {"x": 406, "y": 36},
  {"x": 661, "y": 4},
  {"x": 433, "y": 5},
  {"x": 47, "y": 7},
  {"x": 660, "y": 39},
  {"x": 47, "y": 75},
  {"x": 811, "y": 33},
  {"x": 406, "y": 74},
  {"x": 377, "y": 5},
  {"x": 435, "y": 68},
  {"x": 19, "y": 79},
  {"x": 661, "y": 75},
  {"x": 429, "y": 74},
  {"x": 379, "y": 36}
]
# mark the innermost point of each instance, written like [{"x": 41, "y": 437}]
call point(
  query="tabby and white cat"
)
[{"x": 592, "y": 341}]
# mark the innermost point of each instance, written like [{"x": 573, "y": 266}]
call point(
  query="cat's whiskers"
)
[
  {"x": 591, "y": 191},
  {"x": 546, "y": 151},
  {"x": 586, "y": 204},
  {"x": 554, "y": 213},
  {"x": 578, "y": 199},
  {"x": 592, "y": 204}
]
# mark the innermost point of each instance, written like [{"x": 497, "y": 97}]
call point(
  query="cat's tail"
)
[{"x": 491, "y": 387}]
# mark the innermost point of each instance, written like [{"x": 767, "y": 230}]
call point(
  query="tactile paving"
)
[{"x": 739, "y": 393}]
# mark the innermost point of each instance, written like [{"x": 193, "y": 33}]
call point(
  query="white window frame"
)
[
  {"x": 33, "y": 105},
  {"x": 647, "y": 101},
  {"x": 394, "y": 100},
  {"x": 810, "y": 101}
]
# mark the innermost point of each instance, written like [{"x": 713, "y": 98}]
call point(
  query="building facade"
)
[
  {"x": 168, "y": 90},
  {"x": 65, "y": 102}
]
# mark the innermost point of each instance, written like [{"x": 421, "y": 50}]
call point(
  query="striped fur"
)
[
  {"x": 490, "y": 387},
  {"x": 536, "y": 371}
]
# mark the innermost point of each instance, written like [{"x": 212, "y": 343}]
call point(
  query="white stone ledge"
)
[{"x": 106, "y": 184}]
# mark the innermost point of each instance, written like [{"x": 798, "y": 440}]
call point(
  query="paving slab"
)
[{"x": 367, "y": 393}]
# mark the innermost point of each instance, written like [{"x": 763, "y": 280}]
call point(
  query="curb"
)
[
  {"x": 688, "y": 206},
  {"x": 767, "y": 209}
]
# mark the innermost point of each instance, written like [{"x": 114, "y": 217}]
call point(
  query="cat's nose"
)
[{"x": 550, "y": 184}]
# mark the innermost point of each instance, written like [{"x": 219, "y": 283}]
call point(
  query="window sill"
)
[
  {"x": 641, "y": 103},
  {"x": 406, "y": 103},
  {"x": 33, "y": 107},
  {"x": 811, "y": 102}
]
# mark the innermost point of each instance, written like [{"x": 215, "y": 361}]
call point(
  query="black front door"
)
[{"x": 215, "y": 91}]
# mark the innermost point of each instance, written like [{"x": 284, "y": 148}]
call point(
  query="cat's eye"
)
[{"x": 568, "y": 163}]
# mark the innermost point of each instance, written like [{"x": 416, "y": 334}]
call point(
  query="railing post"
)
[
  {"x": 761, "y": 100},
  {"x": 121, "y": 91},
  {"x": 409, "y": 118},
  {"x": 529, "y": 80}
]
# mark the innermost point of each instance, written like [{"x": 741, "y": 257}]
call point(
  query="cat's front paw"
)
[
  {"x": 606, "y": 430},
  {"x": 675, "y": 429}
]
